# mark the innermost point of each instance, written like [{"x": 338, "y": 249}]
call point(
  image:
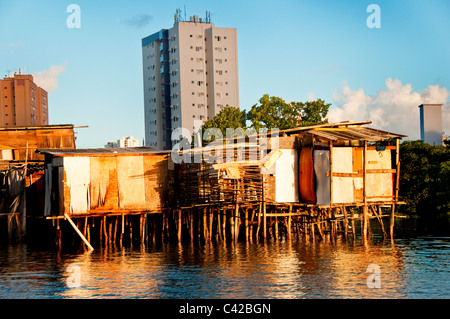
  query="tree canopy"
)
[
  {"x": 271, "y": 112},
  {"x": 425, "y": 183},
  {"x": 274, "y": 112}
]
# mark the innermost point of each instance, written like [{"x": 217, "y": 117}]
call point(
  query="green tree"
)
[
  {"x": 229, "y": 117},
  {"x": 274, "y": 112},
  {"x": 425, "y": 184}
]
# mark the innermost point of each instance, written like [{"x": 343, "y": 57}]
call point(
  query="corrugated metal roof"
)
[
  {"x": 95, "y": 151},
  {"x": 354, "y": 133}
]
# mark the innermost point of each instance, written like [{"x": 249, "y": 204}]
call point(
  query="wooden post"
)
[
  {"x": 224, "y": 223},
  {"x": 276, "y": 226},
  {"x": 397, "y": 181},
  {"x": 179, "y": 226},
  {"x": 364, "y": 210},
  {"x": 259, "y": 222},
  {"x": 210, "y": 222},
  {"x": 191, "y": 225},
  {"x": 288, "y": 225},
  {"x": 344, "y": 210},
  {"x": 232, "y": 230},
  {"x": 246, "y": 224},
  {"x": 78, "y": 232},
  {"x": 110, "y": 232},
  {"x": 115, "y": 230}
]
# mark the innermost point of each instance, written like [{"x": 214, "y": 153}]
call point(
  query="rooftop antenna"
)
[
  {"x": 208, "y": 17},
  {"x": 184, "y": 12}
]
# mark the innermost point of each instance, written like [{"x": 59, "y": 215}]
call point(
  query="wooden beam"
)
[{"x": 79, "y": 232}]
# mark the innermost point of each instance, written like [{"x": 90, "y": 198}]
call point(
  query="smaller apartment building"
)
[{"x": 22, "y": 102}]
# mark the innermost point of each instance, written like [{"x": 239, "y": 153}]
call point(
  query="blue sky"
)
[{"x": 293, "y": 49}]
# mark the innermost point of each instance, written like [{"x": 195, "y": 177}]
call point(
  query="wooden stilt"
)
[
  {"x": 191, "y": 226},
  {"x": 78, "y": 232},
  {"x": 115, "y": 230},
  {"x": 344, "y": 211},
  {"x": 130, "y": 224},
  {"x": 110, "y": 232},
  {"x": 236, "y": 222},
  {"x": 259, "y": 222},
  {"x": 288, "y": 224},
  {"x": 264, "y": 222},
  {"x": 179, "y": 225},
  {"x": 210, "y": 222},
  {"x": 391, "y": 222},
  {"x": 276, "y": 228},
  {"x": 246, "y": 224}
]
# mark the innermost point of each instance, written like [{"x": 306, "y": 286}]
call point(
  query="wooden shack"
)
[
  {"x": 22, "y": 170},
  {"x": 105, "y": 181},
  {"x": 317, "y": 172},
  {"x": 19, "y": 143}
]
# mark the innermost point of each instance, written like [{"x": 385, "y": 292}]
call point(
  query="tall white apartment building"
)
[{"x": 190, "y": 73}]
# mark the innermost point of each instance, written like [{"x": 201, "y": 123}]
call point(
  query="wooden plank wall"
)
[
  {"x": 16, "y": 141},
  {"x": 128, "y": 183}
]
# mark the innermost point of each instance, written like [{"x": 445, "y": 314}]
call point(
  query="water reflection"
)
[{"x": 409, "y": 269}]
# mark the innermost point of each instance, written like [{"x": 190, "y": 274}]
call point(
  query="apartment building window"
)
[
  {"x": 200, "y": 83},
  {"x": 218, "y": 49},
  {"x": 199, "y": 71},
  {"x": 198, "y": 48},
  {"x": 219, "y": 72}
]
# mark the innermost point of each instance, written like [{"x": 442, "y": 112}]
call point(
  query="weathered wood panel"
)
[
  {"x": 156, "y": 181},
  {"x": 131, "y": 183},
  {"x": 104, "y": 183},
  {"x": 342, "y": 162},
  {"x": 379, "y": 186}
]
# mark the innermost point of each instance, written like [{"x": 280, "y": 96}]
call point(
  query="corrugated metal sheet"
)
[
  {"x": 77, "y": 171},
  {"x": 354, "y": 133},
  {"x": 105, "y": 151},
  {"x": 286, "y": 168}
]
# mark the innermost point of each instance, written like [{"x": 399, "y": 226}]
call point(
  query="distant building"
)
[
  {"x": 22, "y": 102},
  {"x": 127, "y": 141},
  {"x": 190, "y": 74},
  {"x": 431, "y": 123}
]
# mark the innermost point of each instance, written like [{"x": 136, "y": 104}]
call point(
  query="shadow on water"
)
[{"x": 410, "y": 268}]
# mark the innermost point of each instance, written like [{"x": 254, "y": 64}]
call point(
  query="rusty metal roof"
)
[
  {"x": 354, "y": 133},
  {"x": 102, "y": 151}
]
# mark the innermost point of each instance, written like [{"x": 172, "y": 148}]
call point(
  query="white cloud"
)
[
  {"x": 138, "y": 21},
  {"x": 311, "y": 97},
  {"x": 394, "y": 108},
  {"x": 48, "y": 80}
]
